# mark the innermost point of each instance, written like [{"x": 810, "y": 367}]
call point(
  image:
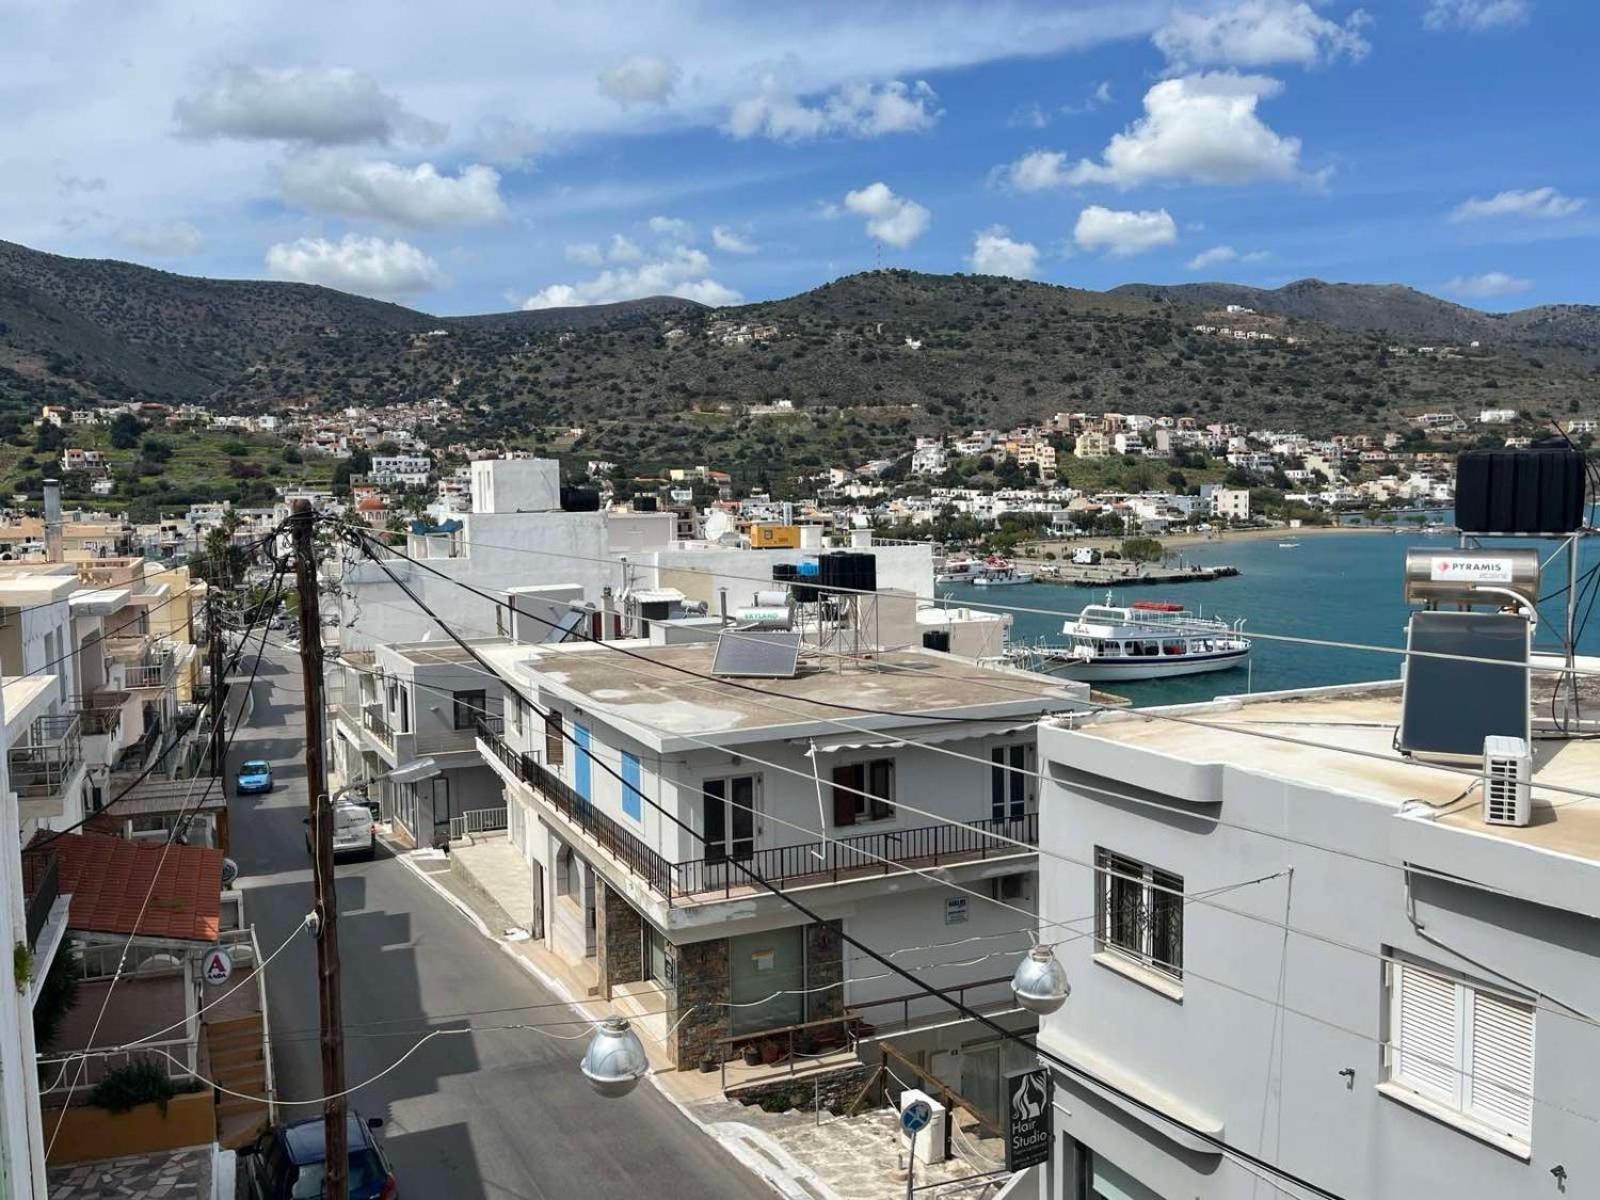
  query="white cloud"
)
[
  {"x": 642, "y": 79},
  {"x": 1490, "y": 283},
  {"x": 585, "y": 254},
  {"x": 1545, "y": 203},
  {"x": 680, "y": 272},
  {"x": 731, "y": 241},
  {"x": 173, "y": 239},
  {"x": 1122, "y": 233},
  {"x": 1201, "y": 128},
  {"x": 369, "y": 266},
  {"x": 1256, "y": 33},
  {"x": 672, "y": 227},
  {"x": 326, "y": 106},
  {"x": 994, "y": 252},
  {"x": 1475, "y": 16},
  {"x": 505, "y": 142},
  {"x": 855, "y": 110},
  {"x": 1224, "y": 254},
  {"x": 416, "y": 197},
  {"x": 890, "y": 218},
  {"x": 1036, "y": 171},
  {"x": 622, "y": 249}
]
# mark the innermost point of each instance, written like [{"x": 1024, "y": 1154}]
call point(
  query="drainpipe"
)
[{"x": 52, "y": 520}]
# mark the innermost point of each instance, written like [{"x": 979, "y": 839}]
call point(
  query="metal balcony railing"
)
[
  {"x": 101, "y": 713},
  {"x": 372, "y": 721},
  {"x": 42, "y": 766},
  {"x": 41, "y": 881},
  {"x": 149, "y": 674}
]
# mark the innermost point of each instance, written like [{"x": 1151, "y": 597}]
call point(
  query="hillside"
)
[{"x": 866, "y": 361}]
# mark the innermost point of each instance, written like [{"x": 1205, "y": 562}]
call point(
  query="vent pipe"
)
[{"x": 52, "y": 520}]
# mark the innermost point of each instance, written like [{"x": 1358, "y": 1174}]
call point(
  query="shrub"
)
[{"x": 139, "y": 1081}]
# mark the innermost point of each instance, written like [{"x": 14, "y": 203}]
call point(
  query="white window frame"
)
[
  {"x": 1492, "y": 1100},
  {"x": 1143, "y": 876}
]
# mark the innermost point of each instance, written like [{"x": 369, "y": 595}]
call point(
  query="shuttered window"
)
[{"x": 1465, "y": 1047}]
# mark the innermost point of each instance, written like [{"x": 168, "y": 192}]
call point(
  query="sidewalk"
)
[{"x": 803, "y": 1154}]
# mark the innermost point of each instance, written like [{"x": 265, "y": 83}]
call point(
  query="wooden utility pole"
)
[
  {"x": 336, "y": 1166},
  {"x": 214, "y": 636}
]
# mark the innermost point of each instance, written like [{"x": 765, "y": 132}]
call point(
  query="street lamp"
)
[
  {"x": 615, "y": 1060},
  {"x": 1040, "y": 983},
  {"x": 414, "y": 771}
]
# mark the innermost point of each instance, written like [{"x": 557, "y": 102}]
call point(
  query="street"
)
[{"x": 488, "y": 1114}]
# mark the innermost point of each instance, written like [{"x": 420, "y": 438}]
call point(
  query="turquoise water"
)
[{"x": 1339, "y": 587}]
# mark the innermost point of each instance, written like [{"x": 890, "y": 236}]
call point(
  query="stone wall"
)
[
  {"x": 824, "y": 965},
  {"x": 619, "y": 939},
  {"x": 700, "y": 970},
  {"x": 831, "y": 1091}
]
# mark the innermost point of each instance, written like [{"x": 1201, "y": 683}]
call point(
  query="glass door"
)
[{"x": 729, "y": 817}]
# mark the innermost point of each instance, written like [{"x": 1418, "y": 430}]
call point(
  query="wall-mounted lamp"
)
[
  {"x": 1560, "y": 1173},
  {"x": 1349, "y": 1074}
]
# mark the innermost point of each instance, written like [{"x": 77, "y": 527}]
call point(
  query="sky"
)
[{"x": 484, "y": 155}]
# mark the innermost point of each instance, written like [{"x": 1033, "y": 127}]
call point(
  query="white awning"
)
[{"x": 930, "y": 735}]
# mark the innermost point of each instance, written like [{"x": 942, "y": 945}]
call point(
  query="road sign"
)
[
  {"x": 1028, "y": 1118},
  {"x": 915, "y": 1116},
  {"x": 217, "y": 966}
]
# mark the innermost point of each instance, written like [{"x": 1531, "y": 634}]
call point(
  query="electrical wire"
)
[{"x": 1233, "y": 1152}]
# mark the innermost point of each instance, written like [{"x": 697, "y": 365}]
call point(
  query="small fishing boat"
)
[
  {"x": 1288, "y": 545},
  {"x": 1148, "y": 639}
]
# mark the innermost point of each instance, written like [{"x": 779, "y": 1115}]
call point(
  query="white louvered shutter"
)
[
  {"x": 1501, "y": 1063},
  {"x": 1426, "y": 1032}
]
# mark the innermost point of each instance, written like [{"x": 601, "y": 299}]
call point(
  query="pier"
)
[{"x": 1119, "y": 572}]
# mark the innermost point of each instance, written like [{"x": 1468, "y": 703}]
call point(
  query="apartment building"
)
[
  {"x": 400, "y": 470},
  {"x": 655, "y": 787},
  {"x": 1378, "y": 990}
]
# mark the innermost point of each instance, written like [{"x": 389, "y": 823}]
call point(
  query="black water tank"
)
[
  {"x": 848, "y": 572},
  {"x": 937, "y": 639},
  {"x": 788, "y": 575},
  {"x": 644, "y": 504},
  {"x": 579, "y": 499},
  {"x": 1536, "y": 489}
]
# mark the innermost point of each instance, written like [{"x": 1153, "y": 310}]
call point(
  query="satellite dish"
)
[{"x": 718, "y": 525}]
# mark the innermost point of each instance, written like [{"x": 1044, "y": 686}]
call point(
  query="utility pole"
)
[
  {"x": 336, "y": 1165},
  {"x": 214, "y": 635}
]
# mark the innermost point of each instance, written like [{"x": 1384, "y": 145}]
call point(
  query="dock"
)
[{"x": 1117, "y": 573}]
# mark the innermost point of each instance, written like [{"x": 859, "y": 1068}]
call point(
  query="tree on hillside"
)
[{"x": 125, "y": 431}]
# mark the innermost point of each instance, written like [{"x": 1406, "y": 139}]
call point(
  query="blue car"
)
[
  {"x": 254, "y": 777},
  {"x": 285, "y": 1163}
]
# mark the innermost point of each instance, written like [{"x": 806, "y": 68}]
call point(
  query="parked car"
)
[
  {"x": 355, "y": 833},
  {"x": 254, "y": 778},
  {"x": 285, "y": 1162}
]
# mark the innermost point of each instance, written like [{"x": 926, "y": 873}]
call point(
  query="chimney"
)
[{"x": 52, "y": 520}]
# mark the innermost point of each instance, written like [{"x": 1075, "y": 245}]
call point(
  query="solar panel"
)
[
  {"x": 563, "y": 629},
  {"x": 1449, "y": 706},
  {"x": 761, "y": 654}
]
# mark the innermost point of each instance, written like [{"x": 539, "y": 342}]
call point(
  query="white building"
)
[
  {"x": 1497, "y": 416},
  {"x": 400, "y": 470},
  {"x": 1232, "y": 503}
]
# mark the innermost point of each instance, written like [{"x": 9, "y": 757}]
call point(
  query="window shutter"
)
[
  {"x": 1426, "y": 1032},
  {"x": 1502, "y": 1062}
]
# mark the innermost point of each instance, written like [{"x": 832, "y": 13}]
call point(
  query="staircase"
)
[{"x": 234, "y": 1048}]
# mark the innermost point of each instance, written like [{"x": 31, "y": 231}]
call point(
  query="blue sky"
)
[{"x": 516, "y": 154}]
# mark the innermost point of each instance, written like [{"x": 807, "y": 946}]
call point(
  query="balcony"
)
[
  {"x": 151, "y": 671},
  {"x": 372, "y": 721},
  {"x": 836, "y": 860},
  {"x": 41, "y": 882},
  {"x": 45, "y": 766}
]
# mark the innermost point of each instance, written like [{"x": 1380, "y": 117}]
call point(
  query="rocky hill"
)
[{"x": 864, "y": 361}]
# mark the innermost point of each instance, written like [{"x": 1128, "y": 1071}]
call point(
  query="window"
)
[
  {"x": 1464, "y": 1047},
  {"x": 1008, "y": 792},
  {"x": 1138, "y": 912},
  {"x": 469, "y": 706},
  {"x": 632, "y": 798},
  {"x": 876, "y": 778},
  {"x": 554, "y": 744},
  {"x": 728, "y": 817},
  {"x": 516, "y": 710},
  {"x": 1010, "y": 887},
  {"x": 404, "y": 709}
]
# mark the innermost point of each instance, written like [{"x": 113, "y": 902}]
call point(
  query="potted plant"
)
[
  {"x": 708, "y": 1063},
  {"x": 752, "y": 1054},
  {"x": 771, "y": 1052}
]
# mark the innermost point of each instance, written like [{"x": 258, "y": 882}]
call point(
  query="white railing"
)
[
  {"x": 59, "y": 1071},
  {"x": 478, "y": 820}
]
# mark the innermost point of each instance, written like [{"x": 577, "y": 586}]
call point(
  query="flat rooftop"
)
[
  {"x": 1343, "y": 738},
  {"x": 652, "y": 688},
  {"x": 423, "y": 653}
]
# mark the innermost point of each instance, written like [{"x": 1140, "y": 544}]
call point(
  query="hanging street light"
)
[
  {"x": 615, "y": 1060},
  {"x": 1040, "y": 983}
]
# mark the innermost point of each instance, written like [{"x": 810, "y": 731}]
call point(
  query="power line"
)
[{"x": 952, "y": 1001}]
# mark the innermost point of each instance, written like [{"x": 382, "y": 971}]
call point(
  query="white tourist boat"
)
[
  {"x": 997, "y": 572},
  {"x": 1149, "y": 639},
  {"x": 963, "y": 569}
]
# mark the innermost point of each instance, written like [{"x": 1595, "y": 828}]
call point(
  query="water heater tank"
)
[{"x": 1459, "y": 576}]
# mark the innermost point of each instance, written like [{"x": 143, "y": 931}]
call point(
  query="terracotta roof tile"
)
[{"x": 108, "y": 878}]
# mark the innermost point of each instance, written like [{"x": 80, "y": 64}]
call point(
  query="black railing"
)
[
  {"x": 806, "y": 863},
  {"x": 41, "y": 880},
  {"x": 852, "y": 857}
]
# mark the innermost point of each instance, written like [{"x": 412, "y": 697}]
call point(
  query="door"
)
[
  {"x": 536, "y": 916},
  {"x": 729, "y": 818},
  {"x": 580, "y": 762},
  {"x": 767, "y": 967}
]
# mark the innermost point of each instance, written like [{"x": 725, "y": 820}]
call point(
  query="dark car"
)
[
  {"x": 285, "y": 1163},
  {"x": 254, "y": 778}
]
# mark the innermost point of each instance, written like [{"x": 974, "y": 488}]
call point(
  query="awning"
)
[{"x": 928, "y": 735}]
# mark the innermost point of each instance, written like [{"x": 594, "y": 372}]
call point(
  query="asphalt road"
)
[{"x": 487, "y": 1114}]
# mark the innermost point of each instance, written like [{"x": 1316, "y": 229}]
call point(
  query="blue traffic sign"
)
[{"x": 915, "y": 1116}]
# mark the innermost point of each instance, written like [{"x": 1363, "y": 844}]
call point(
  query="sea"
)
[{"x": 1337, "y": 587}]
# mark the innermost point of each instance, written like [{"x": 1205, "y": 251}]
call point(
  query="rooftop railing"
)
[{"x": 43, "y": 766}]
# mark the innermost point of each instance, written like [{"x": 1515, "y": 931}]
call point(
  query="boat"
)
[
  {"x": 1288, "y": 545},
  {"x": 997, "y": 572},
  {"x": 1148, "y": 639},
  {"x": 958, "y": 570}
]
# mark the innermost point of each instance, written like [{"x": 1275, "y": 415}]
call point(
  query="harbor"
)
[{"x": 1122, "y": 573}]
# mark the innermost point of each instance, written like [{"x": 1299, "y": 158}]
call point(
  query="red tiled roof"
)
[{"x": 108, "y": 878}]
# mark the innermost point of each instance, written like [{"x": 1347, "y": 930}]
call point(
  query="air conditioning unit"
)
[{"x": 1507, "y": 781}]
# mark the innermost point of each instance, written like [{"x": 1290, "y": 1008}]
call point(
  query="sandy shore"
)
[{"x": 1187, "y": 541}]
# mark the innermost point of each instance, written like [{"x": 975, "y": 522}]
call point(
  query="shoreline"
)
[{"x": 1189, "y": 541}]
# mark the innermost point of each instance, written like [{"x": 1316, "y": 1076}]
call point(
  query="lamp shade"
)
[
  {"x": 615, "y": 1060},
  {"x": 1040, "y": 983}
]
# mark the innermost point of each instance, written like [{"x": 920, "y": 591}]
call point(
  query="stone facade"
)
[
  {"x": 832, "y": 1091},
  {"x": 701, "y": 972},
  {"x": 619, "y": 939},
  {"x": 824, "y": 967}
]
